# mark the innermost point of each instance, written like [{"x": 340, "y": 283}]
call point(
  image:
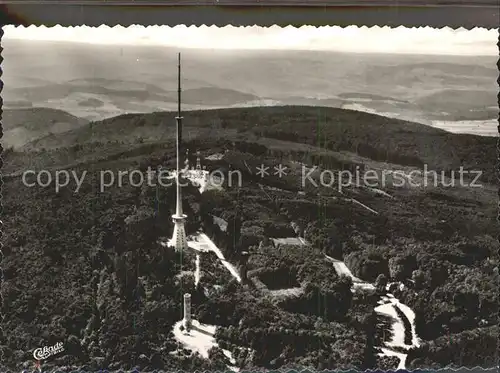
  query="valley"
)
[{"x": 456, "y": 93}]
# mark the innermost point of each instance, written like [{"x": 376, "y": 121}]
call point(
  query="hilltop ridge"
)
[
  {"x": 110, "y": 242},
  {"x": 339, "y": 130},
  {"x": 23, "y": 125}
]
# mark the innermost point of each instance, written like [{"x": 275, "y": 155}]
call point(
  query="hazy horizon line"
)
[
  {"x": 248, "y": 49},
  {"x": 350, "y": 39}
]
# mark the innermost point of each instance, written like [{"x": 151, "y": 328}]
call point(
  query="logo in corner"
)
[{"x": 43, "y": 353}]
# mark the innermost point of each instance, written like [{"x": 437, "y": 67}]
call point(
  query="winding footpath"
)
[
  {"x": 202, "y": 243},
  {"x": 391, "y": 307},
  {"x": 201, "y": 338},
  {"x": 197, "y": 270}
]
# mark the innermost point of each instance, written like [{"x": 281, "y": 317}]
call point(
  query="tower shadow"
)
[{"x": 201, "y": 331}]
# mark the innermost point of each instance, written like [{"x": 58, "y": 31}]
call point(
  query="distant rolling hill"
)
[
  {"x": 115, "y": 90},
  {"x": 21, "y": 126},
  {"x": 462, "y": 104},
  {"x": 215, "y": 96},
  {"x": 367, "y": 96},
  {"x": 398, "y": 86},
  {"x": 98, "y": 98},
  {"x": 372, "y": 136}
]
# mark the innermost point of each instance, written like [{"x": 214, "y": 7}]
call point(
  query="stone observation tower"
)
[
  {"x": 187, "y": 311},
  {"x": 179, "y": 241}
]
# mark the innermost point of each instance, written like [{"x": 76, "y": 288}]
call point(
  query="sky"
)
[{"x": 426, "y": 40}]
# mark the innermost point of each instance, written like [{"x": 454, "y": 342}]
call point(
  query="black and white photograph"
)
[{"x": 248, "y": 198}]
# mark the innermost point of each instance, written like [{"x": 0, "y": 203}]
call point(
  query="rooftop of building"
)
[{"x": 288, "y": 241}]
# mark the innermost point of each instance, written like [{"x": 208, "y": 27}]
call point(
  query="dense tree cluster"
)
[
  {"x": 367, "y": 265},
  {"x": 103, "y": 282},
  {"x": 263, "y": 335},
  {"x": 113, "y": 286},
  {"x": 470, "y": 348}
]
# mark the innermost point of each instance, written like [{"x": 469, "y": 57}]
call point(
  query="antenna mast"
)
[
  {"x": 179, "y": 234},
  {"x": 179, "y": 87},
  {"x": 179, "y": 138}
]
